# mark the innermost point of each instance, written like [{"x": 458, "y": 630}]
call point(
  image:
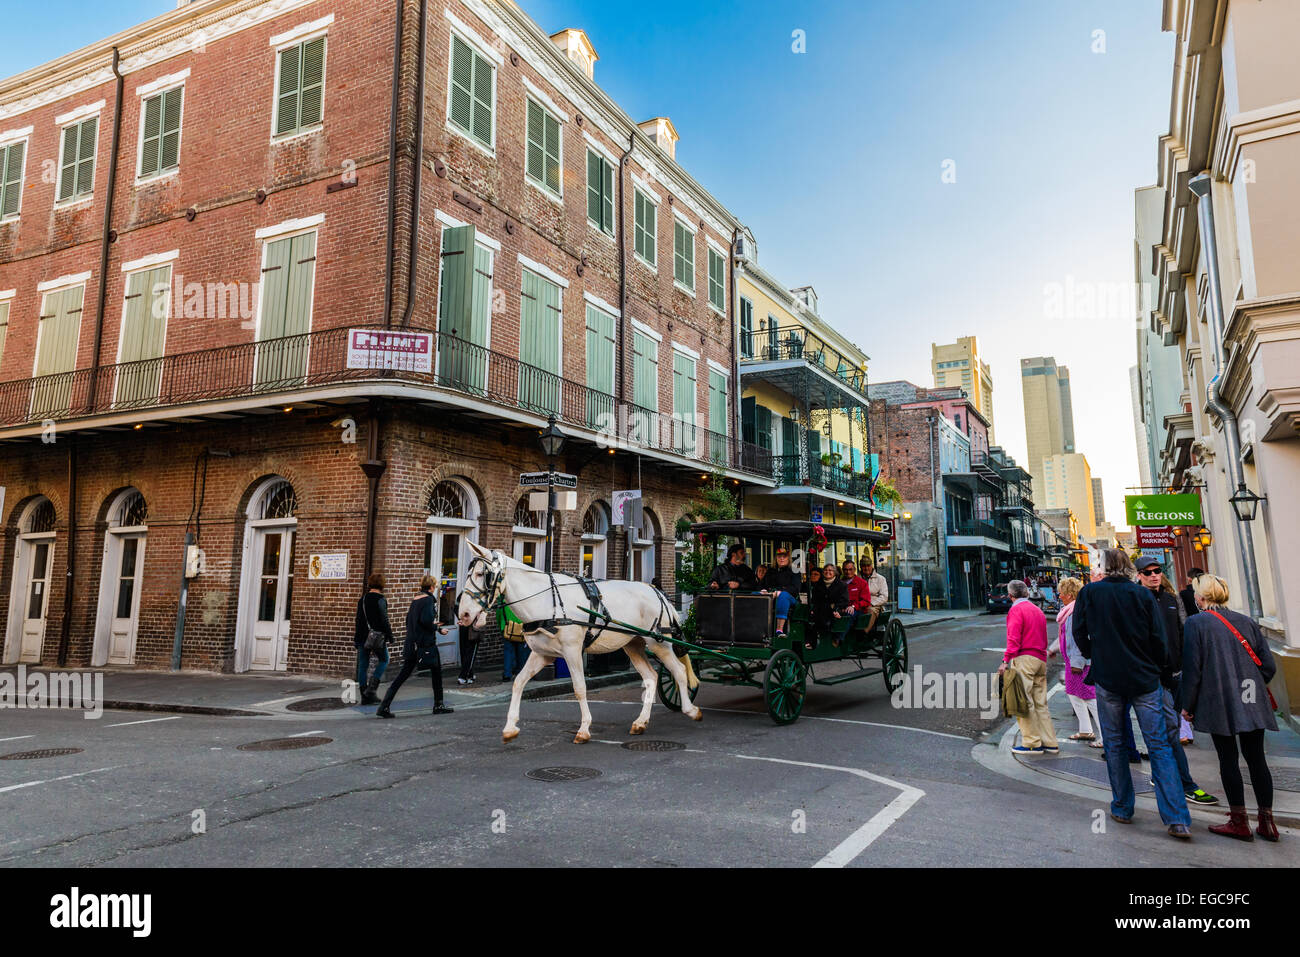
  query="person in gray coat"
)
[{"x": 1226, "y": 669}]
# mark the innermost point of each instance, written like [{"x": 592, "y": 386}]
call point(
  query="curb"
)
[{"x": 183, "y": 709}]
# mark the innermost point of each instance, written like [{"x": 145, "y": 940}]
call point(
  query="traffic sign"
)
[
  {"x": 816, "y": 514},
  {"x": 534, "y": 479},
  {"x": 1152, "y": 537},
  {"x": 886, "y": 525}
]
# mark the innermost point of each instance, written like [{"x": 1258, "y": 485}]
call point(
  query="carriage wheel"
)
[
  {"x": 893, "y": 652},
  {"x": 669, "y": 694},
  {"x": 785, "y": 686}
]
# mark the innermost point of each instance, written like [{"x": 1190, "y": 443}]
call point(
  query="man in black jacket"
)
[
  {"x": 733, "y": 573},
  {"x": 421, "y": 646},
  {"x": 1117, "y": 624},
  {"x": 372, "y": 615},
  {"x": 1188, "y": 594},
  {"x": 1151, "y": 575}
]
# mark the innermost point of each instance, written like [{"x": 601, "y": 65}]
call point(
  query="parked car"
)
[{"x": 999, "y": 600}]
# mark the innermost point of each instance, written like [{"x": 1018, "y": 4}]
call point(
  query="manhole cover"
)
[
  {"x": 1088, "y": 770},
  {"x": 318, "y": 704},
  {"x": 284, "y": 744},
  {"x": 654, "y": 746},
  {"x": 563, "y": 774},
  {"x": 42, "y": 753}
]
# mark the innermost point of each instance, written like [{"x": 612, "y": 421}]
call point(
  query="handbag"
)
[
  {"x": 376, "y": 640},
  {"x": 1272, "y": 702}
]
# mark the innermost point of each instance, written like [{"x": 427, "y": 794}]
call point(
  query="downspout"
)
[
  {"x": 107, "y": 234},
  {"x": 392, "y": 169},
  {"x": 413, "y": 246},
  {"x": 1200, "y": 187},
  {"x": 736, "y": 425},
  {"x": 65, "y": 629},
  {"x": 373, "y": 467},
  {"x": 620, "y": 390}
]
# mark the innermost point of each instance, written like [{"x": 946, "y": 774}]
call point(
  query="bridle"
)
[{"x": 489, "y": 593}]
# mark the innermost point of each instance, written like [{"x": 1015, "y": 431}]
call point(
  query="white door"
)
[
  {"x": 273, "y": 597},
  {"x": 40, "y": 556},
  {"x": 445, "y": 547},
  {"x": 128, "y": 565}
]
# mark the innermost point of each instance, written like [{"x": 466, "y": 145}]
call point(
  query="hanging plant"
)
[{"x": 886, "y": 494}]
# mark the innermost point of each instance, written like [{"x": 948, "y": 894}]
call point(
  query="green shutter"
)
[
  {"x": 684, "y": 392},
  {"x": 287, "y": 281},
  {"x": 464, "y": 301},
  {"x": 539, "y": 344},
  {"x": 608, "y": 209},
  {"x": 717, "y": 286},
  {"x": 286, "y": 109},
  {"x": 595, "y": 179},
  {"x": 717, "y": 417},
  {"x": 645, "y": 228},
  {"x": 68, "y": 164},
  {"x": 482, "y": 101},
  {"x": 462, "y": 83},
  {"x": 59, "y": 330},
  {"x": 11, "y": 178},
  {"x": 683, "y": 255},
  {"x": 311, "y": 95},
  {"x": 748, "y": 419},
  {"x": 170, "y": 154},
  {"x": 86, "y": 156},
  {"x": 553, "y": 165},
  {"x": 645, "y": 371},
  {"x": 746, "y": 328},
  {"x": 763, "y": 426},
  {"x": 600, "y": 369},
  {"x": 144, "y": 322},
  {"x": 543, "y": 147},
  {"x": 152, "y": 145},
  {"x": 457, "y": 293},
  {"x": 160, "y": 145}
]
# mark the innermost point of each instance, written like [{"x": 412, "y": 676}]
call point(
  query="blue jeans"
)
[
  {"x": 784, "y": 602},
  {"x": 515, "y": 653},
  {"x": 1150, "y": 708},
  {"x": 1175, "y": 743},
  {"x": 363, "y": 664}
]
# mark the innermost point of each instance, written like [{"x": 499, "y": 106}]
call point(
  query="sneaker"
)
[
  {"x": 1121, "y": 820},
  {"x": 1200, "y": 797},
  {"x": 442, "y": 709},
  {"x": 461, "y": 681},
  {"x": 1046, "y": 750},
  {"x": 1181, "y": 831},
  {"x": 383, "y": 712},
  {"x": 1021, "y": 749}
]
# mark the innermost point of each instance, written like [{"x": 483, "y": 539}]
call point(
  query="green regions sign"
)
[{"x": 1163, "y": 509}]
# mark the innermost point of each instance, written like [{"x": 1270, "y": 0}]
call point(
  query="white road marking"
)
[
  {"x": 306, "y": 734},
  {"x": 65, "y": 777},
  {"x": 126, "y": 724},
  {"x": 18, "y": 737},
  {"x": 813, "y": 717},
  {"x": 267, "y": 704}
]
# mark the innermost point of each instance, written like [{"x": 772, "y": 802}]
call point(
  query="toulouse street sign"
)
[
  {"x": 1184, "y": 509},
  {"x": 534, "y": 479}
]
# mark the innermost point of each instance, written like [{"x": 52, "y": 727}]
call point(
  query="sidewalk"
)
[
  {"x": 936, "y": 615},
  {"x": 1080, "y": 767},
  {"x": 264, "y": 695}
]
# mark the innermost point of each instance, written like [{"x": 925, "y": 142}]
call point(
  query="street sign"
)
[
  {"x": 886, "y": 525},
  {"x": 534, "y": 479},
  {"x": 1157, "y": 510},
  {"x": 626, "y": 507},
  {"x": 1153, "y": 537},
  {"x": 389, "y": 349},
  {"x": 816, "y": 514},
  {"x": 564, "y": 501}
]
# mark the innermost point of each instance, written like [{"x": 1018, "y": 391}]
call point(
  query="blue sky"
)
[{"x": 834, "y": 157}]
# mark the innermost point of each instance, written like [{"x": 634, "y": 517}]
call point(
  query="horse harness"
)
[{"x": 598, "y": 619}]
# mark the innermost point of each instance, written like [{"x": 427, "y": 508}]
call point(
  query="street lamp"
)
[
  {"x": 552, "y": 440},
  {"x": 1204, "y": 538},
  {"x": 1245, "y": 503}
]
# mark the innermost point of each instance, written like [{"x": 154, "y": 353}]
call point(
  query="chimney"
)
[
  {"x": 574, "y": 44},
  {"x": 664, "y": 134}
]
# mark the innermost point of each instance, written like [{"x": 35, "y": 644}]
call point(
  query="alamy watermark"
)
[
  {"x": 936, "y": 690},
  {"x": 83, "y": 690}
]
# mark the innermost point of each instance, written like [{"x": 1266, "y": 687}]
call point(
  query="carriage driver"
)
[
  {"x": 734, "y": 573},
  {"x": 786, "y": 583}
]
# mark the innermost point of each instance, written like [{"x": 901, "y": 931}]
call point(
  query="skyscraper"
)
[
  {"x": 1068, "y": 483},
  {"x": 959, "y": 364},
  {"x": 1049, "y": 415},
  {"x": 1098, "y": 507}
]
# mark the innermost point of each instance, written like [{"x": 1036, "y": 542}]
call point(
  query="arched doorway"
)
[
  {"x": 643, "y": 548},
  {"x": 29, "y": 594},
  {"x": 452, "y": 523},
  {"x": 595, "y": 541},
  {"x": 118, "y": 619},
  {"x": 266, "y": 584}
]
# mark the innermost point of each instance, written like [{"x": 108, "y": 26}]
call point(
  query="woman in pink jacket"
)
[{"x": 1083, "y": 697}]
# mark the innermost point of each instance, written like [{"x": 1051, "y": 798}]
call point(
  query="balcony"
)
[
  {"x": 803, "y": 366},
  {"x": 796, "y": 470},
  {"x": 321, "y": 362},
  {"x": 977, "y": 533}
]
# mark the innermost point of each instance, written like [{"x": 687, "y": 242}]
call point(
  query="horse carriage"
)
[{"x": 736, "y": 643}]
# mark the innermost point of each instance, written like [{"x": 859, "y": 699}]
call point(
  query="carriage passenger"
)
[
  {"x": 829, "y": 600},
  {"x": 786, "y": 583}
]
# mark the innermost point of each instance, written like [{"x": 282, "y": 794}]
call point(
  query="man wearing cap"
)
[{"x": 1150, "y": 569}]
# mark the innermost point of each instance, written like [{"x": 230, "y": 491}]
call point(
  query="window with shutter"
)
[
  {"x": 11, "y": 178},
  {"x": 644, "y": 232},
  {"x": 683, "y": 256},
  {"x": 539, "y": 344},
  {"x": 77, "y": 160},
  {"x": 600, "y": 192},
  {"x": 717, "y": 281},
  {"x": 717, "y": 417},
  {"x": 543, "y": 148},
  {"x": 746, "y": 328},
  {"x": 600, "y": 369},
  {"x": 288, "y": 280},
  {"x": 160, "y": 133},
  {"x": 643, "y": 418},
  {"x": 464, "y": 303},
  {"x": 300, "y": 97},
  {"x": 684, "y": 391},
  {"x": 472, "y": 92},
  {"x": 60, "y": 330},
  {"x": 144, "y": 328}
]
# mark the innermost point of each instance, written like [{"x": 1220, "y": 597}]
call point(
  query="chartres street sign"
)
[
  {"x": 534, "y": 479},
  {"x": 1155, "y": 536},
  {"x": 1182, "y": 509}
]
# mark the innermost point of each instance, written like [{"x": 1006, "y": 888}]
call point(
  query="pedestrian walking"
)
[
  {"x": 1117, "y": 624},
  {"x": 1151, "y": 575},
  {"x": 371, "y": 637},
  {"x": 469, "y": 642},
  {"x": 1227, "y": 666},
  {"x": 1082, "y": 695},
  {"x": 420, "y": 647},
  {"x": 1026, "y": 656}
]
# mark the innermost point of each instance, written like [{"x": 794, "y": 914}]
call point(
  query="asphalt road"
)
[{"x": 854, "y": 782}]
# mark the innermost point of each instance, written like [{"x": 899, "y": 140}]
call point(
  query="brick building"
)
[{"x": 202, "y": 217}]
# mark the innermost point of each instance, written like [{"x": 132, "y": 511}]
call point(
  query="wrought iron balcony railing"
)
[
  {"x": 809, "y": 470},
  {"x": 976, "y": 527},
  {"x": 776, "y": 344},
  {"x": 292, "y": 364}
]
